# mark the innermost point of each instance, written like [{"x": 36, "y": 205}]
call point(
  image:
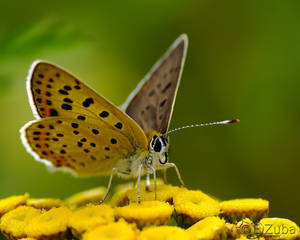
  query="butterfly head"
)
[{"x": 159, "y": 147}]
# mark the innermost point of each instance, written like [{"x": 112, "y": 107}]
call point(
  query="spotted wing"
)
[
  {"x": 85, "y": 148},
  {"x": 54, "y": 92},
  {"x": 151, "y": 104},
  {"x": 56, "y": 96}
]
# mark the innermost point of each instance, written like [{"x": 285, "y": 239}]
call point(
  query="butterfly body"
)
[{"x": 78, "y": 130}]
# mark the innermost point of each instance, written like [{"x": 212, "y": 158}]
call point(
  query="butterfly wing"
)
[
  {"x": 55, "y": 94},
  {"x": 85, "y": 148},
  {"x": 151, "y": 104}
]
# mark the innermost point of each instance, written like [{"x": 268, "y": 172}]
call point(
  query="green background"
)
[{"x": 242, "y": 62}]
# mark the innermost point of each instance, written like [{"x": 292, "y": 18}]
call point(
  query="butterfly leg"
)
[
  {"x": 165, "y": 176},
  {"x": 112, "y": 173},
  {"x": 154, "y": 179},
  {"x": 139, "y": 182},
  {"x": 148, "y": 180},
  {"x": 168, "y": 165}
]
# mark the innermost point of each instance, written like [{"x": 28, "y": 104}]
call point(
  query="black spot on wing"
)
[
  {"x": 66, "y": 106},
  {"x": 95, "y": 131},
  {"x": 166, "y": 87},
  {"x": 119, "y": 125},
  {"x": 81, "y": 117},
  {"x": 104, "y": 114},
  {"x": 63, "y": 92},
  {"x": 163, "y": 103},
  {"x": 87, "y": 102},
  {"x": 152, "y": 92},
  {"x": 53, "y": 112},
  {"x": 68, "y": 100}
]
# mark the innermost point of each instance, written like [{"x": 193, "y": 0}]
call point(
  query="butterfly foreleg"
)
[
  {"x": 169, "y": 165},
  {"x": 139, "y": 174},
  {"x": 112, "y": 173},
  {"x": 165, "y": 176}
]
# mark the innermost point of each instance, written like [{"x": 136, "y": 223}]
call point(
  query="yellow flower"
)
[
  {"x": 279, "y": 228},
  {"x": 209, "y": 228},
  {"x": 113, "y": 231},
  {"x": 247, "y": 227},
  {"x": 10, "y": 203},
  {"x": 90, "y": 217},
  {"x": 27, "y": 238},
  {"x": 44, "y": 203},
  {"x": 94, "y": 195},
  {"x": 164, "y": 233},
  {"x": 244, "y": 237},
  {"x": 237, "y": 209},
  {"x": 145, "y": 213},
  {"x": 49, "y": 224},
  {"x": 231, "y": 231},
  {"x": 192, "y": 206},
  {"x": 120, "y": 197},
  {"x": 164, "y": 193},
  {"x": 14, "y": 222}
]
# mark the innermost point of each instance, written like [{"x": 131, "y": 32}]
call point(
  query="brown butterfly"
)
[{"x": 78, "y": 130}]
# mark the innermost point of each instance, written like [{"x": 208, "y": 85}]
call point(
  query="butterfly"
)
[{"x": 79, "y": 131}]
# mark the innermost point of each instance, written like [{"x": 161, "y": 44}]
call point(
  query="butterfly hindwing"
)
[
  {"x": 86, "y": 148},
  {"x": 151, "y": 104}
]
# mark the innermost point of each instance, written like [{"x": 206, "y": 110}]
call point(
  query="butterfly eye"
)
[{"x": 156, "y": 144}]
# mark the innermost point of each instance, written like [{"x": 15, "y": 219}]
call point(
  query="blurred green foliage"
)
[{"x": 243, "y": 61}]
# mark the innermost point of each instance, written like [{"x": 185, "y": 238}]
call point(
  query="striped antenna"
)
[{"x": 203, "y": 125}]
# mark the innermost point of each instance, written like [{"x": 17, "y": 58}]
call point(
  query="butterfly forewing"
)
[
  {"x": 86, "y": 148},
  {"x": 151, "y": 104},
  {"x": 54, "y": 92},
  {"x": 79, "y": 129}
]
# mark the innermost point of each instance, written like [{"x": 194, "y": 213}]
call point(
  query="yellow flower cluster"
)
[{"x": 177, "y": 213}]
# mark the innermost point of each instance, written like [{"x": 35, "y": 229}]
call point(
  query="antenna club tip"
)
[{"x": 235, "y": 121}]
